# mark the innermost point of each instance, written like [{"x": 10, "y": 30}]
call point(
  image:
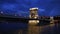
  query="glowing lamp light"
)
[
  {"x": 35, "y": 17},
  {"x": 33, "y": 22},
  {"x": 37, "y": 21}
]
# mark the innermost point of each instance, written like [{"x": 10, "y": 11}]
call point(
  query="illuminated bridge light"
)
[
  {"x": 35, "y": 17},
  {"x": 33, "y": 21}
]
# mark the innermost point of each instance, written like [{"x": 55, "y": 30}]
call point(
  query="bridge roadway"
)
[
  {"x": 15, "y": 19},
  {"x": 10, "y": 18}
]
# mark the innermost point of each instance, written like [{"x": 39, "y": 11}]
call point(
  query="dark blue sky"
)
[{"x": 21, "y": 7}]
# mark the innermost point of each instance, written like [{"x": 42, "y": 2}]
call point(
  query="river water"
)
[{"x": 24, "y": 28}]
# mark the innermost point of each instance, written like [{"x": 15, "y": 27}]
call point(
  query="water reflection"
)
[
  {"x": 49, "y": 29},
  {"x": 22, "y": 28}
]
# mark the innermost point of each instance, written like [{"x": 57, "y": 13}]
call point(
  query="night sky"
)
[{"x": 21, "y": 7}]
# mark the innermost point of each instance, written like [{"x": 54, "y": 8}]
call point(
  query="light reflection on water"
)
[
  {"x": 49, "y": 29},
  {"x": 46, "y": 29},
  {"x": 16, "y": 28}
]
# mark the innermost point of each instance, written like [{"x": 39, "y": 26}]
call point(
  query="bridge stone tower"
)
[
  {"x": 32, "y": 28},
  {"x": 33, "y": 15}
]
